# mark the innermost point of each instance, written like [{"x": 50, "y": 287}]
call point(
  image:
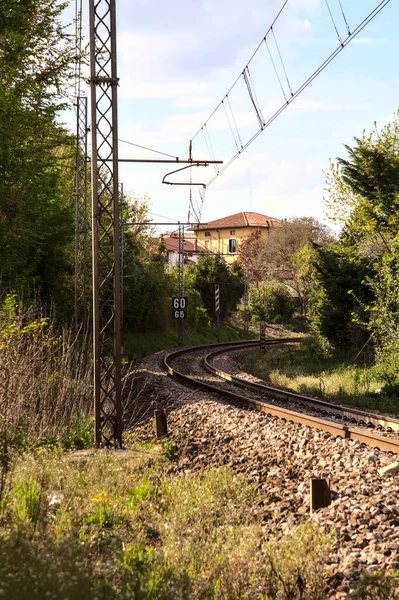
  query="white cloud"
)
[
  {"x": 162, "y": 90},
  {"x": 309, "y": 105},
  {"x": 195, "y": 101},
  {"x": 363, "y": 40}
]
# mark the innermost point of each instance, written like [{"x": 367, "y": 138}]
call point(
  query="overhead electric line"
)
[
  {"x": 263, "y": 124},
  {"x": 149, "y": 149}
]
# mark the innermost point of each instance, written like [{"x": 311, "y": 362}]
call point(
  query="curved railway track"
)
[{"x": 194, "y": 366}]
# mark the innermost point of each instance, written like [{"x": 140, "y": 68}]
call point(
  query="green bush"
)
[
  {"x": 376, "y": 586},
  {"x": 271, "y": 302}
]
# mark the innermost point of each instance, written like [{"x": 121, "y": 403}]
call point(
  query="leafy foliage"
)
[
  {"x": 269, "y": 301},
  {"x": 364, "y": 197},
  {"x": 283, "y": 255},
  {"x": 145, "y": 281},
  {"x": 211, "y": 270},
  {"x": 36, "y": 187},
  {"x": 338, "y": 297}
]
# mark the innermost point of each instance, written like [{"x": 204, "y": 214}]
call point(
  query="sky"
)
[{"x": 178, "y": 59}]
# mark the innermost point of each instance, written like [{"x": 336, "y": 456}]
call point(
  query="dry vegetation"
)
[
  {"x": 45, "y": 377},
  {"x": 102, "y": 525}
]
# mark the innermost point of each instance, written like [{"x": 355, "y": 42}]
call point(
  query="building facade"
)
[{"x": 224, "y": 236}]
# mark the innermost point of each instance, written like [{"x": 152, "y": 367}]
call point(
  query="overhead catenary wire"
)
[
  {"x": 300, "y": 89},
  {"x": 240, "y": 75},
  {"x": 209, "y": 146},
  {"x": 252, "y": 95},
  {"x": 234, "y": 120},
  {"x": 162, "y": 217}
]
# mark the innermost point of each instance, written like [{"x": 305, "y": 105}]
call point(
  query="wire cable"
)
[
  {"x": 308, "y": 81},
  {"x": 333, "y": 22},
  {"x": 234, "y": 120},
  {"x": 209, "y": 146},
  {"x": 145, "y": 148},
  {"x": 162, "y": 217},
  {"x": 231, "y": 129},
  {"x": 252, "y": 95},
  {"x": 240, "y": 75},
  {"x": 275, "y": 69},
  {"x": 282, "y": 63},
  {"x": 343, "y": 14}
]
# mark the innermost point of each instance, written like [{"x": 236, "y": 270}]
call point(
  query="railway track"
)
[{"x": 194, "y": 366}]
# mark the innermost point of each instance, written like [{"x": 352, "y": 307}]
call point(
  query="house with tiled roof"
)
[
  {"x": 224, "y": 236},
  {"x": 192, "y": 248}
]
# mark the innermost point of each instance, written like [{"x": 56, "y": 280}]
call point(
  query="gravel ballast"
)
[{"x": 280, "y": 459}]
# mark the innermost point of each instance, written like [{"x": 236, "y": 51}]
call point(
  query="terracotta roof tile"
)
[
  {"x": 242, "y": 219},
  {"x": 172, "y": 245}
]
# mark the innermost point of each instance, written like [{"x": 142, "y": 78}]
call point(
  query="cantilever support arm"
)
[{"x": 192, "y": 164}]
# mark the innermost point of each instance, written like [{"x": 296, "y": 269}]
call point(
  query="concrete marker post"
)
[
  {"x": 319, "y": 493},
  {"x": 161, "y": 427}
]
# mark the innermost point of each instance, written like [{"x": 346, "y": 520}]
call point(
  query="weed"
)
[
  {"x": 296, "y": 564},
  {"x": 117, "y": 526},
  {"x": 27, "y": 501},
  {"x": 102, "y": 513},
  {"x": 148, "y": 576},
  {"x": 170, "y": 450},
  {"x": 375, "y": 586},
  {"x": 79, "y": 434},
  {"x": 45, "y": 376},
  {"x": 139, "y": 493}
]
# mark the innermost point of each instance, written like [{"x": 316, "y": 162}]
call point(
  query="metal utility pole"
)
[
  {"x": 81, "y": 274},
  {"x": 122, "y": 257},
  {"x": 246, "y": 327},
  {"x": 180, "y": 282},
  {"x": 105, "y": 215}
]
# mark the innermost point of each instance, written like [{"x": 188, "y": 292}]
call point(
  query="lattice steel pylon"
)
[
  {"x": 81, "y": 271},
  {"x": 105, "y": 224}
]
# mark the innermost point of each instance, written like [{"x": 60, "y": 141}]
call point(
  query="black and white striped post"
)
[{"x": 217, "y": 303}]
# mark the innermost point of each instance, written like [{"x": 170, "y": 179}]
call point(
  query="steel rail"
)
[
  {"x": 345, "y": 412},
  {"x": 363, "y": 436}
]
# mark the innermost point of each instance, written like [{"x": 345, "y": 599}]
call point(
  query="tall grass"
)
[
  {"x": 342, "y": 377},
  {"x": 102, "y": 525},
  {"x": 45, "y": 375}
]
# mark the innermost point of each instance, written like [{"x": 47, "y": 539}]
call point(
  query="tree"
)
[
  {"x": 339, "y": 297},
  {"x": 269, "y": 301},
  {"x": 279, "y": 255},
  {"x": 212, "y": 269},
  {"x": 146, "y": 285},
  {"x": 363, "y": 190},
  {"x": 36, "y": 153},
  {"x": 363, "y": 197}
]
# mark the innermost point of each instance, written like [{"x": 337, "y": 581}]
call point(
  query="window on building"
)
[
  {"x": 232, "y": 246},
  {"x": 232, "y": 231},
  {"x": 207, "y": 234}
]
